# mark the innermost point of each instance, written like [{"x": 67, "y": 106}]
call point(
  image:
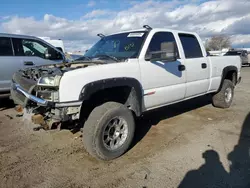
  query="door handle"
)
[
  {"x": 203, "y": 65},
  {"x": 28, "y": 63},
  {"x": 181, "y": 67}
]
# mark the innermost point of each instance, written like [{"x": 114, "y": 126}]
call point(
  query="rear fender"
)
[{"x": 225, "y": 71}]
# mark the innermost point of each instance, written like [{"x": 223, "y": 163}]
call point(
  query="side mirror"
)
[
  {"x": 52, "y": 54},
  {"x": 48, "y": 54},
  {"x": 167, "y": 53}
]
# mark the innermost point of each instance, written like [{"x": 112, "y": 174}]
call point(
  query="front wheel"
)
[
  {"x": 108, "y": 131},
  {"x": 224, "y": 98}
]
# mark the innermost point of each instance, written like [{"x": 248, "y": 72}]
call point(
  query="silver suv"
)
[{"x": 19, "y": 51}]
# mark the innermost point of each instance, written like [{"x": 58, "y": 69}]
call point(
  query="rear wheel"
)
[
  {"x": 224, "y": 98},
  {"x": 108, "y": 131}
]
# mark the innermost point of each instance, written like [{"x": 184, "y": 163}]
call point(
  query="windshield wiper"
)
[
  {"x": 83, "y": 58},
  {"x": 109, "y": 56}
]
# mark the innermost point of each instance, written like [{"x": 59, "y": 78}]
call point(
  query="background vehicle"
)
[
  {"x": 19, "y": 51},
  {"x": 58, "y": 43},
  {"x": 248, "y": 57},
  {"x": 119, "y": 78},
  {"x": 242, "y": 53}
]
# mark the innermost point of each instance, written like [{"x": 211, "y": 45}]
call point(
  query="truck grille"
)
[{"x": 26, "y": 84}]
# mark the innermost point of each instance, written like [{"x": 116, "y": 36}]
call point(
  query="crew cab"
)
[{"x": 122, "y": 76}]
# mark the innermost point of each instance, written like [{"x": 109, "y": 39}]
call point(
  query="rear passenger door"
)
[
  {"x": 197, "y": 67},
  {"x": 32, "y": 52},
  {"x": 8, "y": 63}
]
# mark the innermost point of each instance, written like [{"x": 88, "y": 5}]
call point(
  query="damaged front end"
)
[{"x": 36, "y": 91}]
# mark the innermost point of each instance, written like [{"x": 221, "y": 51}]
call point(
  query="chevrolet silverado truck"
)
[{"x": 122, "y": 76}]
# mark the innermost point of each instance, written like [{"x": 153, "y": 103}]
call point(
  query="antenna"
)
[
  {"x": 147, "y": 27},
  {"x": 100, "y": 35}
]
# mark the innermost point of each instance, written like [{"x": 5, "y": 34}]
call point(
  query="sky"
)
[{"x": 77, "y": 22}]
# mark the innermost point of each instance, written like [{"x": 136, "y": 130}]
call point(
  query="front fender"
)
[
  {"x": 72, "y": 82},
  {"x": 89, "y": 89}
]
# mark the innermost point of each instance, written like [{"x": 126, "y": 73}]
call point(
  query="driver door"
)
[{"x": 163, "y": 82}]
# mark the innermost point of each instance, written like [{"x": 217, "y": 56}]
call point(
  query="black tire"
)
[
  {"x": 219, "y": 99},
  {"x": 94, "y": 127}
]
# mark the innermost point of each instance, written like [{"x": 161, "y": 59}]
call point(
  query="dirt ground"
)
[{"x": 190, "y": 144}]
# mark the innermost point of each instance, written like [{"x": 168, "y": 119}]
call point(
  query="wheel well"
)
[
  {"x": 232, "y": 75},
  {"x": 123, "y": 94}
]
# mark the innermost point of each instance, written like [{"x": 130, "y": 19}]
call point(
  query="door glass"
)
[
  {"x": 5, "y": 47},
  {"x": 158, "y": 39},
  {"x": 29, "y": 47},
  {"x": 191, "y": 46},
  {"x": 33, "y": 48}
]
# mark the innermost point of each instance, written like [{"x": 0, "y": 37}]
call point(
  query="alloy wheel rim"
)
[{"x": 115, "y": 133}]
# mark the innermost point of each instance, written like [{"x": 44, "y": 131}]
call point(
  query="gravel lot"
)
[{"x": 191, "y": 144}]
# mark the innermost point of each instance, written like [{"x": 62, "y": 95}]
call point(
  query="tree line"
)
[{"x": 218, "y": 43}]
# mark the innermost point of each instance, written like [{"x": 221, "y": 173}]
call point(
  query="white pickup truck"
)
[{"x": 119, "y": 78}]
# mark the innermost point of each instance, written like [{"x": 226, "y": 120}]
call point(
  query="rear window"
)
[
  {"x": 191, "y": 46},
  {"x": 5, "y": 47}
]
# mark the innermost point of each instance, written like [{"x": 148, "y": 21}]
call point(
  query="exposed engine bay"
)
[
  {"x": 42, "y": 83},
  {"x": 35, "y": 73}
]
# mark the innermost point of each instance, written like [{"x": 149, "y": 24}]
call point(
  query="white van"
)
[{"x": 58, "y": 43}]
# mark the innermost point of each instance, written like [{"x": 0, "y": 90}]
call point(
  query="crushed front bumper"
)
[
  {"x": 47, "y": 111},
  {"x": 17, "y": 89}
]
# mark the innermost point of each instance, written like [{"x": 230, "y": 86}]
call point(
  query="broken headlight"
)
[
  {"x": 51, "y": 81},
  {"x": 49, "y": 94},
  {"x": 47, "y": 88}
]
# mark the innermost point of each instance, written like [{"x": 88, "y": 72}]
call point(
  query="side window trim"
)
[
  {"x": 193, "y": 36},
  {"x": 13, "y": 50}
]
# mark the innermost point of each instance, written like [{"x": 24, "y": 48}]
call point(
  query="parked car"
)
[
  {"x": 122, "y": 76},
  {"x": 242, "y": 53},
  {"x": 248, "y": 57},
  {"x": 19, "y": 51}
]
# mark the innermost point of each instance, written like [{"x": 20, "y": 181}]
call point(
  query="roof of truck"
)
[
  {"x": 125, "y": 31},
  {"x": 154, "y": 29}
]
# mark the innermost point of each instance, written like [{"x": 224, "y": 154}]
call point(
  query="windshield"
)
[{"x": 120, "y": 46}]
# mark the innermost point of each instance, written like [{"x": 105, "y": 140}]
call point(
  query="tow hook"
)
[{"x": 46, "y": 125}]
